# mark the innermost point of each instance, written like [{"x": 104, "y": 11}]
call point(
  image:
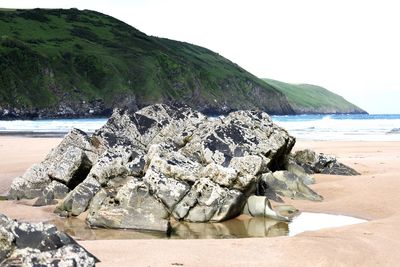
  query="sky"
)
[{"x": 350, "y": 47}]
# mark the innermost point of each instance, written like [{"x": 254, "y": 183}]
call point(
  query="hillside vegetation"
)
[
  {"x": 70, "y": 63},
  {"x": 307, "y": 98}
]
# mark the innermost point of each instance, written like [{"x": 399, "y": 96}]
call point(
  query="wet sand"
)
[{"x": 374, "y": 196}]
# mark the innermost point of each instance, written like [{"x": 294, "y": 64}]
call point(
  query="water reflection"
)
[
  {"x": 236, "y": 228},
  {"x": 241, "y": 227}
]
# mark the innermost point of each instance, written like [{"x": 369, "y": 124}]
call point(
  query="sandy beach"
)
[{"x": 373, "y": 196}]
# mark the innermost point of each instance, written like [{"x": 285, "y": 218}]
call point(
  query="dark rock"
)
[
  {"x": 26, "y": 244},
  {"x": 55, "y": 190},
  {"x": 312, "y": 162}
]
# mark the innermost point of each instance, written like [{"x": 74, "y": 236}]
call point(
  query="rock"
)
[
  {"x": 77, "y": 201},
  {"x": 320, "y": 163},
  {"x": 31, "y": 184},
  {"x": 26, "y": 244},
  {"x": 118, "y": 161},
  {"x": 142, "y": 168},
  {"x": 69, "y": 167},
  {"x": 69, "y": 163},
  {"x": 260, "y": 206},
  {"x": 68, "y": 255},
  {"x": 240, "y": 134},
  {"x": 132, "y": 207},
  {"x": 7, "y": 244},
  {"x": 55, "y": 190},
  {"x": 208, "y": 201},
  {"x": 293, "y": 167},
  {"x": 394, "y": 131},
  {"x": 284, "y": 183}
]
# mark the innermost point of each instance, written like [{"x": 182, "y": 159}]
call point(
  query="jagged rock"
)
[
  {"x": 55, "y": 190},
  {"x": 118, "y": 161},
  {"x": 260, "y": 206},
  {"x": 320, "y": 163},
  {"x": 208, "y": 201},
  {"x": 6, "y": 243},
  {"x": 68, "y": 163},
  {"x": 284, "y": 183},
  {"x": 132, "y": 207},
  {"x": 31, "y": 184},
  {"x": 142, "y": 167},
  {"x": 77, "y": 201},
  {"x": 150, "y": 125},
  {"x": 240, "y": 134},
  {"x": 26, "y": 244}
]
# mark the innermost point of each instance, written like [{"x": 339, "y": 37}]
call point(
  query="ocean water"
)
[
  {"x": 309, "y": 127},
  {"x": 57, "y": 127},
  {"x": 352, "y": 127}
]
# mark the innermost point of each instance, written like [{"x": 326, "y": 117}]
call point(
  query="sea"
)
[{"x": 351, "y": 127}]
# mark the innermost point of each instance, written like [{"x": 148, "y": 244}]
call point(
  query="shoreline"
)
[{"x": 372, "y": 196}]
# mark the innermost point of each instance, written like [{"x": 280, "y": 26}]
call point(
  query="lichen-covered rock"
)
[
  {"x": 208, "y": 201},
  {"x": 26, "y": 244},
  {"x": 320, "y": 163},
  {"x": 132, "y": 206},
  {"x": 143, "y": 167},
  {"x": 240, "y": 134},
  {"x": 68, "y": 255},
  {"x": 31, "y": 184},
  {"x": 55, "y": 190},
  {"x": 287, "y": 184},
  {"x": 69, "y": 163},
  {"x": 6, "y": 243},
  {"x": 77, "y": 201}
]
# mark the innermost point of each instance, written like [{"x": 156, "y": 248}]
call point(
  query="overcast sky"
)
[{"x": 350, "y": 47}]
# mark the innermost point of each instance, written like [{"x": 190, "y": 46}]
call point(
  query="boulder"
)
[
  {"x": 132, "y": 206},
  {"x": 141, "y": 168},
  {"x": 69, "y": 163},
  {"x": 320, "y": 163},
  {"x": 55, "y": 190},
  {"x": 287, "y": 184},
  {"x": 293, "y": 167},
  {"x": 77, "y": 201},
  {"x": 31, "y": 184},
  {"x": 208, "y": 201},
  {"x": 26, "y": 244}
]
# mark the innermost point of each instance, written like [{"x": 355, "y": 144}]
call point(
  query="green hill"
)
[
  {"x": 71, "y": 63},
  {"x": 307, "y": 98}
]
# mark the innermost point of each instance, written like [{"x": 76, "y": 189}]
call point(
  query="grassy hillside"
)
[
  {"x": 77, "y": 63},
  {"x": 306, "y": 98}
]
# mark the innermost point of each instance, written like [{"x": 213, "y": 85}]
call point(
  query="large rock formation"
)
[
  {"x": 312, "y": 162},
  {"x": 142, "y": 168},
  {"x": 26, "y": 244}
]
